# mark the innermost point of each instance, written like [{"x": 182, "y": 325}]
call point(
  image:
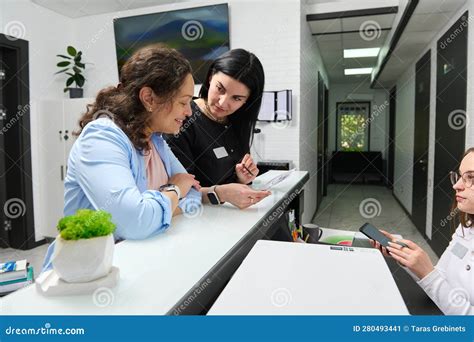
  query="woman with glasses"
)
[{"x": 450, "y": 283}]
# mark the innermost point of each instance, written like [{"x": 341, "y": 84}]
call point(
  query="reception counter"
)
[{"x": 183, "y": 270}]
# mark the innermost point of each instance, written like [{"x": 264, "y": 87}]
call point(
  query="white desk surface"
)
[
  {"x": 284, "y": 278},
  {"x": 156, "y": 273}
]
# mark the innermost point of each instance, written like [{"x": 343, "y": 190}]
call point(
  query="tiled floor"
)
[{"x": 348, "y": 206}]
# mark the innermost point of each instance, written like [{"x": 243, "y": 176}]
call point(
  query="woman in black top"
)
[{"x": 214, "y": 143}]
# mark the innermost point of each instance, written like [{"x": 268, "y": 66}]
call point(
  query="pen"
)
[{"x": 246, "y": 168}]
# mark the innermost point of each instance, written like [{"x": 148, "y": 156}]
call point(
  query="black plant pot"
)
[{"x": 76, "y": 93}]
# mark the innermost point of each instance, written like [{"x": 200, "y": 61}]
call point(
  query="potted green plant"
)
[
  {"x": 73, "y": 67},
  {"x": 84, "y": 247}
]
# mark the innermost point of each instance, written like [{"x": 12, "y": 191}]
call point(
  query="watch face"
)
[{"x": 212, "y": 198}]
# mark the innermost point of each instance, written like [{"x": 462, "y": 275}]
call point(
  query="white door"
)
[
  {"x": 51, "y": 166},
  {"x": 73, "y": 110}
]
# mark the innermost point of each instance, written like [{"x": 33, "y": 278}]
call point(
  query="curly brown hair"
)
[{"x": 162, "y": 69}]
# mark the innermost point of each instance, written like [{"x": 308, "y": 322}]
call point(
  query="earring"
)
[{"x": 150, "y": 109}]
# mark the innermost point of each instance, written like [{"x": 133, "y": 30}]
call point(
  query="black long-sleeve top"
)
[{"x": 195, "y": 147}]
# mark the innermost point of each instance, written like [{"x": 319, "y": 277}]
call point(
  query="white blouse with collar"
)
[{"x": 450, "y": 284}]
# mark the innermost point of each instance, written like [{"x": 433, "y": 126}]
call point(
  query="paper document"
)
[{"x": 274, "y": 181}]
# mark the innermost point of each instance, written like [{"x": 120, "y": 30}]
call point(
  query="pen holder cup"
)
[{"x": 311, "y": 233}]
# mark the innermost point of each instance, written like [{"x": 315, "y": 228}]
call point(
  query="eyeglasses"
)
[{"x": 467, "y": 178}]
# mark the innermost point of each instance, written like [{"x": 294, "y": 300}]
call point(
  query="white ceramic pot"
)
[{"x": 84, "y": 260}]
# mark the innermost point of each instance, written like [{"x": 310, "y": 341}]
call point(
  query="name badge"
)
[
  {"x": 459, "y": 250},
  {"x": 220, "y": 152}
]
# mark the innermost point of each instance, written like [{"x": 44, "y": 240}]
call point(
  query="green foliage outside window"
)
[{"x": 352, "y": 132}]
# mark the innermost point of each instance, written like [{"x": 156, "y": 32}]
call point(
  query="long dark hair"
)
[
  {"x": 465, "y": 219},
  {"x": 246, "y": 68},
  {"x": 158, "y": 67}
]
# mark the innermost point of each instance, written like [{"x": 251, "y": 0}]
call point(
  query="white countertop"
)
[
  {"x": 284, "y": 278},
  {"x": 156, "y": 273}
]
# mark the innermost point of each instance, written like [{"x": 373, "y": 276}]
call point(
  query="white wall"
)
[
  {"x": 48, "y": 34},
  {"x": 404, "y": 138},
  {"x": 310, "y": 64},
  {"x": 379, "y": 105}
]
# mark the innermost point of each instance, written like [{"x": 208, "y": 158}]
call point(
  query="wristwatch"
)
[
  {"x": 213, "y": 197},
  {"x": 171, "y": 187}
]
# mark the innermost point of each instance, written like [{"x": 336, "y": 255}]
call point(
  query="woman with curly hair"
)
[{"x": 120, "y": 163}]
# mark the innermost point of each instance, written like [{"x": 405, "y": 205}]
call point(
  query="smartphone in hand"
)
[{"x": 373, "y": 233}]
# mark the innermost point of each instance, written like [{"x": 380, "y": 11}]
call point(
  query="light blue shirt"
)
[{"x": 106, "y": 172}]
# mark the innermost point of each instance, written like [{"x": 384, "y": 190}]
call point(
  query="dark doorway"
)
[
  {"x": 391, "y": 136},
  {"x": 450, "y": 133},
  {"x": 326, "y": 147},
  {"x": 320, "y": 176},
  {"x": 421, "y": 141},
  {"x": 16, "y": 198}
]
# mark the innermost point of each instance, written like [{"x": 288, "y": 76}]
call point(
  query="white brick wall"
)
[
  {"x": 311, "y": 63},
  {"x": 273, "y": 34}
]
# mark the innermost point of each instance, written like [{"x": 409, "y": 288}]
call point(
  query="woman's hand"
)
[
  {"x": 240, "y": 195},
  {"x": 185, "y": 182},
  {"x": 377, "y": 244},
  {"x": 413, "y": 257},
  {"x": 242, "y": 170}
]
